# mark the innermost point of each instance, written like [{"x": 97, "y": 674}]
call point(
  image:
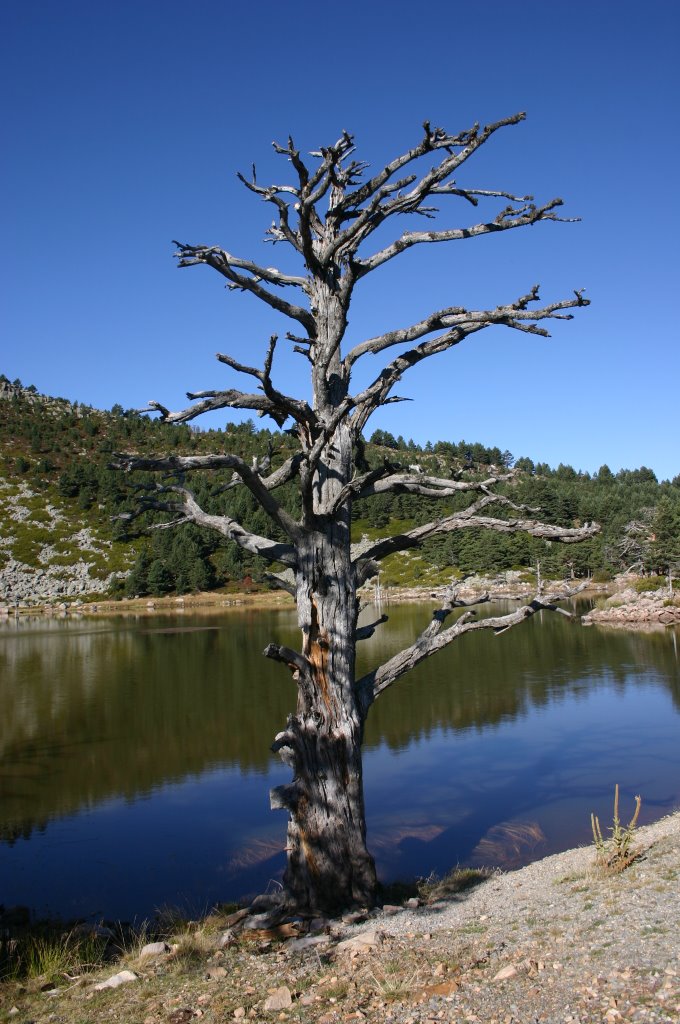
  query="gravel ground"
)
[{"x": 574, "y": 946}]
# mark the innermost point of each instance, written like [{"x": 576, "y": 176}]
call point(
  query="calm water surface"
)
[{"x": 135, "y": 763}]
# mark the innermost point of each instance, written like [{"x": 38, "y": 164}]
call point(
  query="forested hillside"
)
[{"x": 67, "y": 515}]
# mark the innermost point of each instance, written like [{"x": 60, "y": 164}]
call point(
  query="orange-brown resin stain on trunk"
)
[
  {"x": 307, "y": 850},
  {"x": 310, "y": 859},
  {"x": 316, "y": 651}
]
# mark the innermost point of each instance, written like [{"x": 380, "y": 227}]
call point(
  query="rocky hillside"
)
[
  {"x": 51, "y": 551},
  {"x": 53, "y": 545}
]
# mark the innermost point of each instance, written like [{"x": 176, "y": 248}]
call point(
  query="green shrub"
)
[
  {"x": 27, "y": 543},
  {"x": 648, "y": 583},
  {"x": 40, "y": 515}
]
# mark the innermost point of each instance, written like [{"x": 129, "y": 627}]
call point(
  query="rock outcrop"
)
[{"x": 627, "y": 607}]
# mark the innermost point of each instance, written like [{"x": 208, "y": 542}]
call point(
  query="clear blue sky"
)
[{"x": 124, "y": 123}]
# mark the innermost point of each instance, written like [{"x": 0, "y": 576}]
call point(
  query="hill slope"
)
[{"x": 67, "y": 530}]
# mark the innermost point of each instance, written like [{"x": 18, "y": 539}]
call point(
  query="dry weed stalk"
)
[{"x": 616, "y": 853}]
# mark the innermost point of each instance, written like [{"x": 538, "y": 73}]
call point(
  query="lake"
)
[{"x": 135, "y": 764}]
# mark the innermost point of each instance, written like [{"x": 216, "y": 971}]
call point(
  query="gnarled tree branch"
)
[
  {"x": 211, "y": 401},
  {"x": 298, "y": 409},
  {"x": 435, "y": 637},
  {"x": 428, "y": 486},
  {"x": 367, "y": 631},
  {"x": 376, "y": 191},
  {"x": 259, "y": 488},
  {"x": 510, "y": 217},
  {"x": 185, "y": 503},
  {"x": 367, "y": 557},
  {"x": 515, "y": 315},
  {"x": 296, "y": 662},
  {"x": 224, "y": 263}
]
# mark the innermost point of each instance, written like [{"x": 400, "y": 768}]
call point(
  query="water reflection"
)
[{"x": 143, "y": 747}]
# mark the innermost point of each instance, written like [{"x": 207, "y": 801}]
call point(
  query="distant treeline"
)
[{"x": 63, "y": 448}]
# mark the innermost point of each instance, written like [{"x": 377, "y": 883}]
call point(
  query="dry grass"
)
[
  {"x": 392, "y": 983},
  {"x": 51, "y": 956},
  {"x": 457, "y": 881}
]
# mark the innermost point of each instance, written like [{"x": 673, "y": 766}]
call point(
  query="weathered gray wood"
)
[
  {"x": 327, "y": 215},
  {"x": 435, "y": 637}
]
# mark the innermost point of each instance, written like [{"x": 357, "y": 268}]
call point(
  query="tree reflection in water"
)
[{"x": 496, "y": 750}]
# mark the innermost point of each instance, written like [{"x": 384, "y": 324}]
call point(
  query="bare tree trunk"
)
[{"x": 329, "y": 867}]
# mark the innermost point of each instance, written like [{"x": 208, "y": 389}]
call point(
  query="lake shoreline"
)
[
  {"x": 559, "y": 939},
  {"x": 205, "y": 602},
  {"x": 216, "y": 600},
  {"x": 618, "y": 603}
]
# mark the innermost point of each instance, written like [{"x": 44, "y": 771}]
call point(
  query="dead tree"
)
[{"x": 328, "y": 215}]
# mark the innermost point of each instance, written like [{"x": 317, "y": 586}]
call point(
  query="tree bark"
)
[{"x": 329, "y": 867}]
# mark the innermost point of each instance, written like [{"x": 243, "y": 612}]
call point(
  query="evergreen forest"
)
[{"x": 63, "y": 453}]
